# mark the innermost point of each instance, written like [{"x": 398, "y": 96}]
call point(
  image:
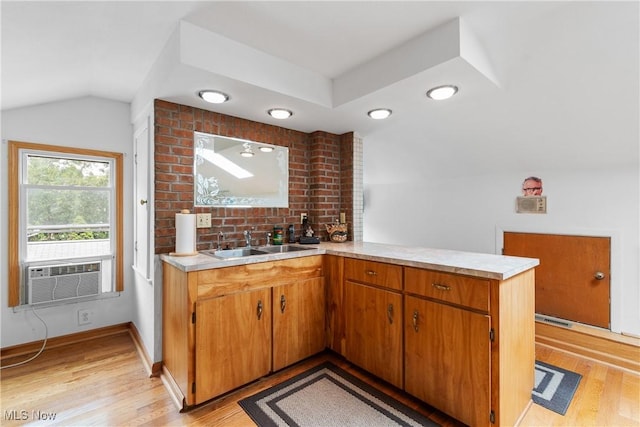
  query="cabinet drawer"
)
[
  {"x": 467, "y": 291},
  {"x": 227, "y": 280},
  {"x": 374, "y": 273}
]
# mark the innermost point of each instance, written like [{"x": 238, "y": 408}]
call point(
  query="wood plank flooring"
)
[{"x": 102, "y": 382}]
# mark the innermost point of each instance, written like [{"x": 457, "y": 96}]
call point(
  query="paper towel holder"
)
[{"x": 193, "y": 237}]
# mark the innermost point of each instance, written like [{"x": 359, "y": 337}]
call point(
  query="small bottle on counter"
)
[
  {"x": 277, "y": 235},
  {"x": 292, "y": 234}
]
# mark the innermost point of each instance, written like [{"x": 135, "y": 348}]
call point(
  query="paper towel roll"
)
[{"x": 185, "y": 233}]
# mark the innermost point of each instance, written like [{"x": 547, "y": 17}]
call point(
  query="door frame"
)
[{"x": 616, "y": 257}]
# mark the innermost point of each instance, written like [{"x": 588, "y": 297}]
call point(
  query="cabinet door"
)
[
  {"x": 373, "y": 329},
  {"x": 298, "y": 321},
  {"x": 447, "y": 359},
  {"x": 233, "y": 342}
]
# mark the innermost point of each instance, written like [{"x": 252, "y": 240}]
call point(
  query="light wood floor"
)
[{"x": 103, "y": 382}]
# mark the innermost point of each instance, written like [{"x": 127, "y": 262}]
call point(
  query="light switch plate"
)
[{"x": 203, "y": 220}]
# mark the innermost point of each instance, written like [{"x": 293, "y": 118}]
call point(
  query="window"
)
[{"x": 65, "y": 208}]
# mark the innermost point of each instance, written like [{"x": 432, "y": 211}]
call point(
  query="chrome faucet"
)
[
  {"x": 220, "y": 237},
  {"x": 268, "y": 242},
  {"x": 247, "y": 237}
]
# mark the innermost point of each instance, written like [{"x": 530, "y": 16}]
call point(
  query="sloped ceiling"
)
[{"x": 552, "y": 83}]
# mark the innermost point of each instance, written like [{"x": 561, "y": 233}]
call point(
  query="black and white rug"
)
[
  {"x": 554, "y": 387},
  {"x": 327, "y": 396}
]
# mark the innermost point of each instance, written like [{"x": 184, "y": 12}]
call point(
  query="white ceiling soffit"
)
[
  {"x": 217, "y": 54},
  {"x": 429, "y": 50},
  {"x": 446, "y": 54}
]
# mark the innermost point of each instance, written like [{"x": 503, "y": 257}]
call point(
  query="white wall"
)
[
  {"x": 469, "y": 212},
  {"x": 147, "y": 315},
  {"x": 88, "y": 123}
]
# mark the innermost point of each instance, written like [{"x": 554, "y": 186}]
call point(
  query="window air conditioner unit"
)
[
  {"x": 531, "y": 204},
  {"x": 49, "y": 283}
]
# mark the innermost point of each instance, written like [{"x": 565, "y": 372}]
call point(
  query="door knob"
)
[
  {"x": 599, "y": 275},
  {"x": 143, "y": 202}
]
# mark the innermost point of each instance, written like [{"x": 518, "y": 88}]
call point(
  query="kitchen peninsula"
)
[{"x": 448, "y": 327}]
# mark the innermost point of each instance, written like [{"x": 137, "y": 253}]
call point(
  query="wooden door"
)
[
  {"x": 233, "y": 342},
  {"x": 298, "y": 321},
  {"x": 568, "y": 285},
  {"x": 373, "y": 329},
  {"x": 447, "y": 359}
]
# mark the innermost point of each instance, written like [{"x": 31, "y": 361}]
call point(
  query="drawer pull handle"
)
[
  {"x": 390, "y": 313},
  {"x": 415, "y": 320},
  {"x": 441, "y": 287},
  {"x": 371, "y": 273},
  {"x": 283, "y": 303},
  {"x": 259, "y": 309}
]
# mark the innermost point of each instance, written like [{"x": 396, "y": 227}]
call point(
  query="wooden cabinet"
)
[
  {"x": 223, "y": 327},
  {"x": 233, "y": 342},
  {"x": 471, "y": 340},
  {"x": 447, "y": 359},
  {"x": 333, "y": 268},
  {"x": 298, "y": 321},
  {"x": 462, "y": 344},
  {"x": 373, "y": 318}
]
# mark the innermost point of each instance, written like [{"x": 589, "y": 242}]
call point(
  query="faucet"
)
[
  {"x": 268, "y": 239},
  {"x": 247, "y": 237},
  {"x": 220, "y": 237}
]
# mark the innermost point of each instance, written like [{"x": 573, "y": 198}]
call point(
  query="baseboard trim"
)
[
  {"x": 153, "y": 369},
  {"x": 33, "y": 347},
  {"x": 616, "y": 350},
  {"x": 172, "y": 387}
]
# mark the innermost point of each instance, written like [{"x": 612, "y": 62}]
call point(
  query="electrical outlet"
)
[
  {"x": 302, "y": 217},
  {"x": 203, "y": 220},
  {"x": 84, "y": 317}
]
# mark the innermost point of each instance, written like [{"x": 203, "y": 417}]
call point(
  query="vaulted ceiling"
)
[{"x": 552, "y": 82}]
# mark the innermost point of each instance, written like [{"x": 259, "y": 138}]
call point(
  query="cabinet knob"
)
[
  {"x": 259, "y": 309},
  {"x": 371, "y": 273},
  {"x": 143, "y": 202},
  {"x": 599, "y": 275}
]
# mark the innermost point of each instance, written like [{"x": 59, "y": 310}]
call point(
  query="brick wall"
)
[{"x": 318, "y": 176}]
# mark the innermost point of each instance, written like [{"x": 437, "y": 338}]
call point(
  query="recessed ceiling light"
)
[
  {"x": 379, "y": 113},
  {"x": 442, "y": 92},
  {"x": 213, "y": 96},
  {"x": 280, "y": 113},
  {"x": 266, "y": 148}
]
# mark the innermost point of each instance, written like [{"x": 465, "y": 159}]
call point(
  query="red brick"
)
[{"x": 316, "y": 175}]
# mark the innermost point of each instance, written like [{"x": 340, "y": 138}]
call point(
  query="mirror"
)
[{"x": 240, "y": 173}]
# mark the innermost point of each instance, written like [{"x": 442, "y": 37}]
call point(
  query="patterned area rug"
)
[
  {"x": 554, "y": 387},
  {"x": 328, "y": 396}
]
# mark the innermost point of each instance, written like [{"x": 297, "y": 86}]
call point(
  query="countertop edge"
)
[{"x": 482, "y": 265}]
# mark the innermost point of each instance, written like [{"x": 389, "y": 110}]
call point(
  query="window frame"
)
[{"x": 14, "y": 214}]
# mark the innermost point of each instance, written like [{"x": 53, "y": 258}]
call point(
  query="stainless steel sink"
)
[
  {"x": 235, "y": 253},
  {"x": 245, "y": 252},
  {"x": 277, "y": 249}
]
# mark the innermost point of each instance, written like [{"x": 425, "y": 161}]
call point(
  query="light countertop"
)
[{"x": 475, "y": 264}]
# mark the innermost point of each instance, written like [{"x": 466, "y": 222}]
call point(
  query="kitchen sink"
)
[
  {"x": 277, "y": 249},
  {"x": 245, "y": 252},
  {"x": 235, "y": 253}
]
